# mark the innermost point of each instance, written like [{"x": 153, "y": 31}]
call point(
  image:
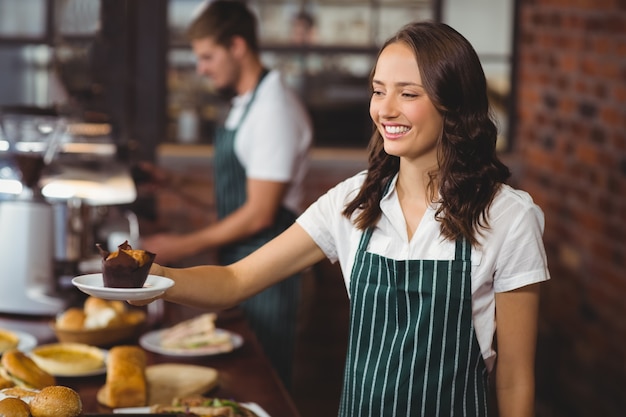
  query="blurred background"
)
[{"x": 556, "y": 71}]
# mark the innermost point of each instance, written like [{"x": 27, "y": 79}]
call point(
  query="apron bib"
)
[
  {"x": 412, "y": 349},
  {"x": 271, "y": 313},
  {"x": 230, "y": 192}
]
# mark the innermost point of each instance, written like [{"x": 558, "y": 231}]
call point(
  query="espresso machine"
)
[{"x": 27, "y": 283}]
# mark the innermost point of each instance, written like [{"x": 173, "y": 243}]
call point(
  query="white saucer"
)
[
  {"x": 146, "y": 410},
  {"x": 93, "y": 284}
]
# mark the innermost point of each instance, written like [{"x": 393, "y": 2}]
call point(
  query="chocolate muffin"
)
[{"x": 126, "y": 267}]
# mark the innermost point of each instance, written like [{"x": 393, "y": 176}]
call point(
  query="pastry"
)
[
  {"x": 68, "y": 358},
  {"x": 126, "y": 267},
  {"x": 125, "y": 384}
]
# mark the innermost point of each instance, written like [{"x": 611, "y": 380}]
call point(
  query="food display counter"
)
[{"x": 243, "y": 374}]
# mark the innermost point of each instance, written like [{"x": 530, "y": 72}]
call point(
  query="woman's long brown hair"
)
[{"x": 469, "y": 172}]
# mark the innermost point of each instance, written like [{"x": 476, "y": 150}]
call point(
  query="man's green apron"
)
[
  {"x": 412, "y": 349},
  {"x": 272, "y": 313}
]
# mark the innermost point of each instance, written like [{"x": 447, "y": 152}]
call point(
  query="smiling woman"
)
[
  {"x": 404, "y": 115},
  {"x": 428, "y": 240}
]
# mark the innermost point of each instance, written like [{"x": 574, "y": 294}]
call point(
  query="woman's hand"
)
[{"x": 155, "y": 269}]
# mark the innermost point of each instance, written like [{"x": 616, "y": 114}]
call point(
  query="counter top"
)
[{"x": 244, "y": 374}]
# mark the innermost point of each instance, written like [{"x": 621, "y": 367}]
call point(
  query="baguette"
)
[{"x": 125, "y": 384}]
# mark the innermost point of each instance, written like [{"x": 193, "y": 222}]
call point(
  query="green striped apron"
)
[
  {"x": 412, "y": 349},
  {"x": 271, "y": 313}
]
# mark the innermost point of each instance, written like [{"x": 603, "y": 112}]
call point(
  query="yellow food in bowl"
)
[{"x": 66, "y": 359}]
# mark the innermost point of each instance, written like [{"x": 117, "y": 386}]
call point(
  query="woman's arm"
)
[
  {"x": 218, "y": 287},
  {"x": 516, "y": 333}
]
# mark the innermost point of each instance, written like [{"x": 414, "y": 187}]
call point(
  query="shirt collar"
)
[{"x": 391, "y": 189}]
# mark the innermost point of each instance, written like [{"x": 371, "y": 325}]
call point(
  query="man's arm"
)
[
  {"x": 257, "y": 213},
  {"x": 264, "y": 199}
]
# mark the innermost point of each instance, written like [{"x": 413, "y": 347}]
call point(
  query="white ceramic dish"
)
[
  {"x": 93, "y": 284},
  {"x": 152, "y": 341},
  {"x": 146, "y": 410},
  {"x": 27, "y": 341}
]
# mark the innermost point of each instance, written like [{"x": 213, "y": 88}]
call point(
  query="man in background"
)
[{"x": 260, "y": 163}]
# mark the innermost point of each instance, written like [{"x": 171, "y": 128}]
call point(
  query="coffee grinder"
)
[{"x": 27, "y": 279}]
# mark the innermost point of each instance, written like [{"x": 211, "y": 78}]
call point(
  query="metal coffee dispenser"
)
[
  {"x": 26, "y": 221},
  {"x": 68, "y": 185}
]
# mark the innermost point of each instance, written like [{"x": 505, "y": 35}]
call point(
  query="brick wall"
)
[{"x": 570, "y": 144}]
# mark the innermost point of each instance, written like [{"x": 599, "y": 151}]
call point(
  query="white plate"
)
[
  {"x": 145, "y": 410},
  {"x": 152, "y": 341},
  {"x": 27, "y": 341},
  {"x": 92, "y": 372},
  {"x": 93, "y": 284}
]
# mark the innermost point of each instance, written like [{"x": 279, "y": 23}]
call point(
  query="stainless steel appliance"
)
[
  {"x": 27, "y": 283},
  {"x": 62, "y": 189}
]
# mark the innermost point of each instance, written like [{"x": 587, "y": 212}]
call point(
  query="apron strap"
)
[
  {"x": 365, "y": 238},
  {"x": 463, "y": 250},
  {"x": 264, "y": 72}
]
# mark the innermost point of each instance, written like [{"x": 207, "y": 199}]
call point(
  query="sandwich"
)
[
  {"x": 196, "y": 333},
  {"x": 23, "y": 371}
]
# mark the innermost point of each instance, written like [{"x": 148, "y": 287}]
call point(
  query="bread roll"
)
[
  {"x": 13, "y": 407},
  {"x": 94, "y": 304},
  {"x": 101, "y": 313},
  {"x": 56, "y": 401},
  {"x": 72, "y": 319},
  {"x": 106, "y": 317},
  {"x": 118, "y": 306},
  {"x": 125, "y": 384}
]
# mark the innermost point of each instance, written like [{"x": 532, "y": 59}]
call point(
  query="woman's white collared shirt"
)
[{"x": 511, "y": 252}]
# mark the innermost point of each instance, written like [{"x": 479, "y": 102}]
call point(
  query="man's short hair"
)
[{"x": 222, "y": 20}]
